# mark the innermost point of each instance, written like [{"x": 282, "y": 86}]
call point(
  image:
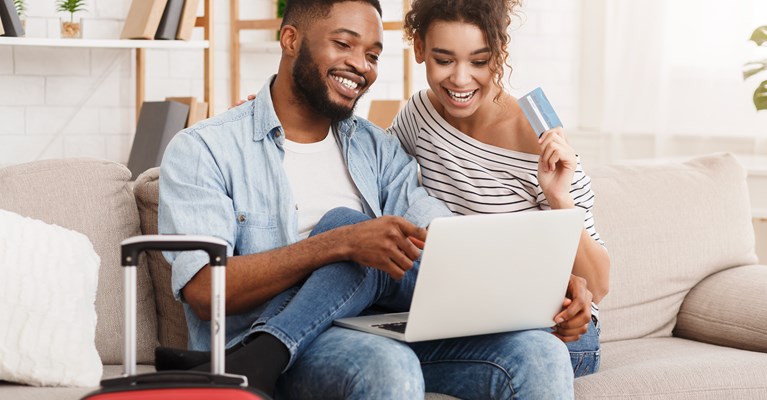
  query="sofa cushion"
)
[
  {"x": 92, "y": 197},
  {"x": 728, "y": 308},
  {"x": 48, "y": 281},
  {"x": 171, "y": 320},
  {"x": 18, "y": 392},
  {"x": 674, "y": 368},
  {"x": 667, "y": 226}
]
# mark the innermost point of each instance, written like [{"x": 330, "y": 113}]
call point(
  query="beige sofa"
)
[{"x": 686, "y": 317}]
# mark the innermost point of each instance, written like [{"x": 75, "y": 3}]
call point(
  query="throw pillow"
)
[{"x": 48, "y": 281}]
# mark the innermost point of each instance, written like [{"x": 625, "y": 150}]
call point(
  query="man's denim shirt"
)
[{"x": 224, "y": 177}]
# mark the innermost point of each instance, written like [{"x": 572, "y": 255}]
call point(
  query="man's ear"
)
[
  {"x": 418, "y": 49},
  {"x": 289, "y": 40}
]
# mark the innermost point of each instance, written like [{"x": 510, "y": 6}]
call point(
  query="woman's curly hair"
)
[{"x": 492, "y": 17}]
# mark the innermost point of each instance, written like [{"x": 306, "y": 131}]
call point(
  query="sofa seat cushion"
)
[
  {"x": 675, "y": 368},
  {"x": 91, "y": 197},
  {"x": 667, "y": 226},
  {"x": 20, "y": 392}
]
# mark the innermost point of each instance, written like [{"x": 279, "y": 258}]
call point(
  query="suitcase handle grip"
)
[
  {"x": 216, "y": 248},
  {"x": 177, "y": 378},
  {"x": 131, "y": 248}
]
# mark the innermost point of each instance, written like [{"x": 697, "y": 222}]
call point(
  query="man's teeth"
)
[
  {"x": 461, "y": 97},
  {"x": 346, "y": 82}
]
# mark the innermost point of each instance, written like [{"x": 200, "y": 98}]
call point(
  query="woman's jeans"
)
[
  {"x": 585, "y": 352},
  {"x": 332, "y": 362}
]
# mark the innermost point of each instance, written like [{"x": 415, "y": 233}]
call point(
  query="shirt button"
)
[{"x": 241, "y": 218}]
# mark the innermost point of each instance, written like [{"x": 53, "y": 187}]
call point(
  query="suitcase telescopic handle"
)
[{"x": 216, "y": 248}]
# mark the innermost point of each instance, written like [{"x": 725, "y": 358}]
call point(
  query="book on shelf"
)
[
  {"x": 169, "y": 21},
  {"x": 188, "y": 19},
  {"x": 198, "y": 110},
  {"x": 11, "y": 23},
  {"x": 143, "y": 19},
  {"x": 158, "y": 122},
  {"x": 2, "y": 32}
]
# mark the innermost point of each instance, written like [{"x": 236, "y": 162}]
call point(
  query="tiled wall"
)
[{"x": 71, "y": 102}]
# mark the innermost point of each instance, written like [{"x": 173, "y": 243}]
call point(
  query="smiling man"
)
[{"x": 320, "y": 210}]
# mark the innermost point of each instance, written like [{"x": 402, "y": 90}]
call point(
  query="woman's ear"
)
[
  {"x": 289, "y": 40},
  {"x": 418, "y": 48}
]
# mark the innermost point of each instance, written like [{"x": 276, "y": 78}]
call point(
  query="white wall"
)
[{"x": 72, "y": 102}]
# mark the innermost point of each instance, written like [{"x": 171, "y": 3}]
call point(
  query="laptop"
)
[{"x": 483, "y": 274}]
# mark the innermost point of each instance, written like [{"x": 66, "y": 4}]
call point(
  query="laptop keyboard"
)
[{"x": 394, "y": 326}]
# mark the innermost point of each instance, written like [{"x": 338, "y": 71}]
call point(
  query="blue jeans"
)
[
  {"x": 347, "y": 364},
  {"x": 343, "y": 289},
  {"x": 585, "y": 353},
  {"x": 329, "y": 362}
]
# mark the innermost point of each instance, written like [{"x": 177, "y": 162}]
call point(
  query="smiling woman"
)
[{"x": 479, "y": 154}]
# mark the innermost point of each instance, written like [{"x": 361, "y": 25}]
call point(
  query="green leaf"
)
[
  {"x": 753, "y": 67},
  {"x": 759, "y": 36},
  {"x": 70, "y": 6},
  {"x": 760, "y": 96},
  {"x": 21, "y": 7}
]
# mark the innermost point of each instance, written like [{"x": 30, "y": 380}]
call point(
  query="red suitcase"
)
[{"x": 186, "y": 385}]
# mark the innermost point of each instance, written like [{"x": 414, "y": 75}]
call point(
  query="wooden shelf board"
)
[{"x": 105, "y": 43}]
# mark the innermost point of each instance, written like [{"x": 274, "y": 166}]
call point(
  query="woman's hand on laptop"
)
[{"x": 575, "y": 317}]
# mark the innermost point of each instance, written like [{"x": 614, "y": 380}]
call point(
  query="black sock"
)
[
  {"x": 261, "y": 360},
  {"x": 169, "y": 358}
]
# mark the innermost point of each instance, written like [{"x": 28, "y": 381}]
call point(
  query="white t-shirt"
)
[{"x": 319, "y": 179}]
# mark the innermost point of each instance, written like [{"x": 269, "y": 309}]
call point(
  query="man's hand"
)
[
  {"x": 574, "y": 320},
  {"x": 388, "y": 243}
]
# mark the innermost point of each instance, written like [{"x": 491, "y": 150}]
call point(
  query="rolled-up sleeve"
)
[{"x": 193, "y": 201}]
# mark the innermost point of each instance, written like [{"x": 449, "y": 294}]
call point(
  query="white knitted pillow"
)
[{"x": 48, "y": 280}]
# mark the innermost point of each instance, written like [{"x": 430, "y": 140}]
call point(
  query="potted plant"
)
[
  {"x": 280, "y": 13},
  {"x": 752, "y": 68},
  {"x": 21, "y": 9},
  {"x": 71, "y": 28}
]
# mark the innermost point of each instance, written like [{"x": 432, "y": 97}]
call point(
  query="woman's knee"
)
[{"x": 547, "y": 360}]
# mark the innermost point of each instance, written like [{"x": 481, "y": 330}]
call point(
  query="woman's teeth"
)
[{"x": 461, "y": 97}]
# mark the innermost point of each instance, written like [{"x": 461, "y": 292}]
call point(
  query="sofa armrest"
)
[{"x": 728, "y": 308}]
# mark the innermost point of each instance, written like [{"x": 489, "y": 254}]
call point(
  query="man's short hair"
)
[{"x": 298, "y": 12}]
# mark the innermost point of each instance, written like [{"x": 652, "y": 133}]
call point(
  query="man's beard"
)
[{"x": 309, "y": 84}]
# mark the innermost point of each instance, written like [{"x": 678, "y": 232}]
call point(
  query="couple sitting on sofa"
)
[{"x": 322, "y": 211}]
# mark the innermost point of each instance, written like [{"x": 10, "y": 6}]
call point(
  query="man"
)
[{"x": 269, "y": 178}]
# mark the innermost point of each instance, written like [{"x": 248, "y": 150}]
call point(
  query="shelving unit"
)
[
  {"x": 236, "y": 25},
  {"x": 205, "y": 22}
]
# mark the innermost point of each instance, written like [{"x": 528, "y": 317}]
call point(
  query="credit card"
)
[{"x": 539, "y": 112}]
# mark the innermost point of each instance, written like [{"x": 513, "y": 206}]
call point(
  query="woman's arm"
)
[{"x": 556, "y": 169}]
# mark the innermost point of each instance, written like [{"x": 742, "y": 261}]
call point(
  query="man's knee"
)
[
  {"x": 337, "y": 217},
  {"x": 343, "y": 363},
  {"x": 390, "y": 369}
]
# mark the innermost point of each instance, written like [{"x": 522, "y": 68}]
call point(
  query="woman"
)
[{"x": 478, "y": 153}]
